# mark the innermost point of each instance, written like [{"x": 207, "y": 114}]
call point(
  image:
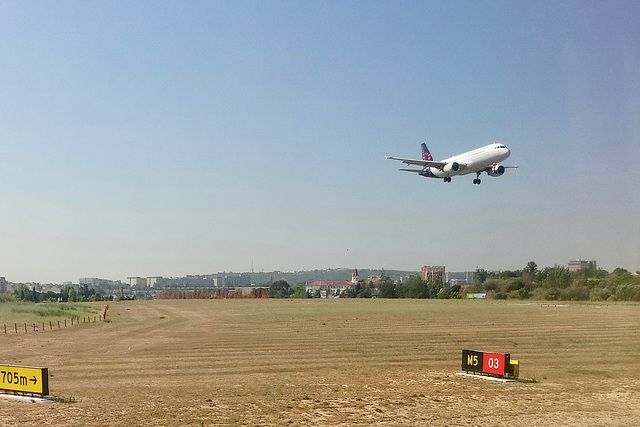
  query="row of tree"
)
[
  {"x": 67, "y": 294},
  {"x": 558, "y": 283},
  {"x": 551, "y": 283}
]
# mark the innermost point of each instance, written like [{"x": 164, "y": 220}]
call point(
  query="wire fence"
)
[{"x": 53, "y": 324}]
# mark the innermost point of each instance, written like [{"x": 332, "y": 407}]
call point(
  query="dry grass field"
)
[{"x": 333, "y": 362}]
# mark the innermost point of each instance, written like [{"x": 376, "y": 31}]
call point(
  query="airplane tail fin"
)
[{"x": 426, "y": 155}]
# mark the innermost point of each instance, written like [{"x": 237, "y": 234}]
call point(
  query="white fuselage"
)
[{"x": 473, "y": 161}]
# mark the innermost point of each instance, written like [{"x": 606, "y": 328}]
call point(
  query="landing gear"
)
[
  {"x": 477, "y": 179},
  {"x": 447, "y": 179}
]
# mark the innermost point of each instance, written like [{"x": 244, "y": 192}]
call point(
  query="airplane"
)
[{"x": 483, "y": 159}]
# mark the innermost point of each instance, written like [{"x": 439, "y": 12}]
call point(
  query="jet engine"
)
[
  {"x": 449, "y": 167},
  {"x": 496, "y": 171}
]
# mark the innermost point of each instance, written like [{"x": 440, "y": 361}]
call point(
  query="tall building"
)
[
  {"x": 153, "y": 281},
  {"x": 433, "y": 273},
  {"x": 95, "y": 282},
  {"x": 3, "y": 285},
  {"x": 137, "y": 281}
]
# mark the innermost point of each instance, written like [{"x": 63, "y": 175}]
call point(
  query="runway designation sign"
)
[
  {"x": 487, "y": 363},
  {"x": 26, "y": 380}
]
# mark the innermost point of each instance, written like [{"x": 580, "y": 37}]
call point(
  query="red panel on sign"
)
[{"x": 493, "y": 363}]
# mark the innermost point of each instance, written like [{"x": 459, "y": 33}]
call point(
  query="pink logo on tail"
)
[{"x": 426, "y": 155}]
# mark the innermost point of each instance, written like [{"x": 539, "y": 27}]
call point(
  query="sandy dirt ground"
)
[{"x": 340, "y": 362}]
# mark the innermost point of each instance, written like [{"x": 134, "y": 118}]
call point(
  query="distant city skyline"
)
[
  {"x": 146, "y": 138},
  {"x": 571, "y": 265}
]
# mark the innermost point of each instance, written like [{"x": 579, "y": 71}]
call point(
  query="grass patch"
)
[
  {"x": 53, "y": 309},
  {"x": 29, "y": 312}
]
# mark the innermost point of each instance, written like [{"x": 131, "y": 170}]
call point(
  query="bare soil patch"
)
[{"x": 337, "y": 362}]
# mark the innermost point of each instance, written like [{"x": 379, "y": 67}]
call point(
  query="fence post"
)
[
  {"x": 5, "y": 329},
  {"x": 65, "y": 323},
  {"x": 58, "y": 324},
  {"x": 25, "y": 326},
  {"x": 16, "y": 326}
]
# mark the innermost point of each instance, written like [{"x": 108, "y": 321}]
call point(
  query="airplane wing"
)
[
  {"x": 412, "y": 170},
  {"x": 423, "y": 163}
]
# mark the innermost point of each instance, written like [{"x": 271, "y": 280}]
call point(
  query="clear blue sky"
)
[{"x": 172, "y": 138}]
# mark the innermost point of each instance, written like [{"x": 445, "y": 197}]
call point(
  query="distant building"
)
[
  {"x": 231, "y": 280},
  {"x": 333, "y": 289},
  {"x": 3, "y": 285},
  {"x": 578, "y": 264},
  {"x": 433, "y": 274},
  {"x": 454, "y": 278},
  {"x": 153, "y": 281},
  {"x": 137, "y": 281},
  {"x": 329, "y": 288},
  {"x": 93, "y": 282}
]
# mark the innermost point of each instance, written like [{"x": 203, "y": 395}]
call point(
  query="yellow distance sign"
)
[{"x": 22, "y": 379}]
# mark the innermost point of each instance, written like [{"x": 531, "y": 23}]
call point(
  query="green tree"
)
[
  {"x": 479, "y": 277},
  {"x": 444, "y": 293},
  {"x": 387, "y": 288},
  {"x": 433, "y": 288},
  {"x": 627, "y": 292},
  {"x": 65, "y": 293},
  {"x": 21, "y": 291},
  {"x": 531, "y": 268},
  {"x": 490, "y": 285},
  {"x": 71, "y": 296},
  {"x": 299, "y": 290},
  {"x": 279, "y": 289},
  {"x": 414, "y": 287},
  {"x": 557, "y": 277},
  {"x": 365, "y": 292}
]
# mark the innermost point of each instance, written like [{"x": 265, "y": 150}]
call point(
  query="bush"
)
[
  {"x": 599, "y": 294},
  {"x": 7, "y": 297},
  {"x": 576, "y": 293},
  {"x": 628, "y": 292},
  {"x": 500, "y": 295},
  {"x": 444, "y": 293},
  {"x": 515, "y": 285},
  {"x": 553, "y": 294},
  {"x": 490, "y": 285}
]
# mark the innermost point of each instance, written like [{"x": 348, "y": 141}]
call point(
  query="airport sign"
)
[{"x": 24, "y": 379}]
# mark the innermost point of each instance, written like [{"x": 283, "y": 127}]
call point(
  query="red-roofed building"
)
[{"x": 333, "y": 289}]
